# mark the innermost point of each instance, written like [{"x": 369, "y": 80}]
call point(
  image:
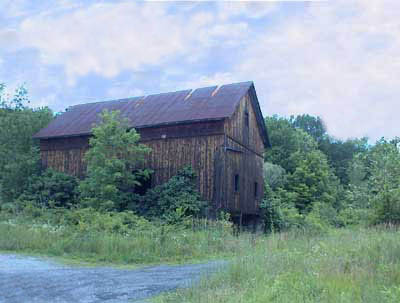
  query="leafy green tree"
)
[
  {"x": 314, "y": 126},
  {"x": 19, "y": 153},
  {"x": 285, "y": 141},
  {"x": 274, "y": 175},
  {"x": 384, "y": 181},
  {"x": 312, "y": 180},
  {"x": 341, "y": 153},
  {"x": 374, "y": 183},
  {"x": 114, "y": 162}
]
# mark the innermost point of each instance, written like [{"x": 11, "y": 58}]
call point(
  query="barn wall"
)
[
  {"x": 243, "y": 157},
  {"x": 173, "y": 147},
  {"x": 234, "y": 159},
  {"x": 65, "y": 154},
  {"x": 170, "y": 155},
  {"x": 235, "y": 127}
]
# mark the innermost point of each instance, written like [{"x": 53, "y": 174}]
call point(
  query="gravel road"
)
[{"x": 32, "y": 279}]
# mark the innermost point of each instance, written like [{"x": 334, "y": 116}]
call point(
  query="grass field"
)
[
  {"x": 361, "y": 265},
  {"x": 341, "y": 265},
  {"x": 148, "y": 245}
]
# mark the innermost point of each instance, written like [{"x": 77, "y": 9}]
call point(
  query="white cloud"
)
[
  {"x": 108, "y": 38},
  {"x": 255, "y": 9},
  {"x": 337, "y": 59},
  {"x": 216, "y": 79},
  {"x": 340, "y": 60}
]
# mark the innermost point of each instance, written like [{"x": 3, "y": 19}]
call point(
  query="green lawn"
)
[{"x": 360, "y": 265}]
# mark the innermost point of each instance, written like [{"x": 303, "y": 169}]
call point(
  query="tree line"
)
[{"x": 312, "y": 180}]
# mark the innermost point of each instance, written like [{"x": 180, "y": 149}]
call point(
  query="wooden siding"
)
[
  {"x": 234, "y": 159},
  {"x": 236, "y": 129},
  {"x": 170, "y": 155},
  {"x": 65, "y": 154},
  {"x": 173, "y": 147}
]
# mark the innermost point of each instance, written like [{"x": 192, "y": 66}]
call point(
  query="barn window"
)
[
  {"x": 246, "y": 119},
  {"x": 236, "y": 182},
  {"x": 255, "y": 189}
]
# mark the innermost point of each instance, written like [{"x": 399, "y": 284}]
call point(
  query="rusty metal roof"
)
[{"x": 207, "y": 103}]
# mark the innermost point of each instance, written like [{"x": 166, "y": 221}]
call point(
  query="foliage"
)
[
  {"x": 274, "y": 175},
  {"x": 348, "y": 265},
  {"x": 314, "y": 126},
  {"x": 312, "y": 180},
  {"x": 118, "y": 237},
  {"x": 279, "y": 212},
  {"x": 51, "y": 189},
  {"x": 113, "y": 164},
  {"x": 19, "y": 154},
  {"x": 341, "y": 153},
  {"x": 174, "y": 200},
  {"x": 286, "y": 140}
]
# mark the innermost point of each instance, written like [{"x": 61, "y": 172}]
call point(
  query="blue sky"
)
[{"x": 336, "y": 59}]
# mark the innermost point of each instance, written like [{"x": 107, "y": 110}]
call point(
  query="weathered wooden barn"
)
[{"x": 218, "y": 130}]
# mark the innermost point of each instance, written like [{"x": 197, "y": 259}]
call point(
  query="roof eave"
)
[{"x": 185, "y": 122}]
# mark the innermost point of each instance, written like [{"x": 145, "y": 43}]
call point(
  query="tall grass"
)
[
  {"x": 344, "y": 266},
  {"x": 149, "y": 244}
]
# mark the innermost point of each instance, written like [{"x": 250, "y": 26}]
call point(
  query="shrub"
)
[
  {"x": 387, "y": 206},
  {"x": 51, "y": 189},
  {"x": 278, "y": 210},
  {"x": 172, "y": 201}
]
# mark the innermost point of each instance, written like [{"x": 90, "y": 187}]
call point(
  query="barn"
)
[{"x": 218, "y": 130}]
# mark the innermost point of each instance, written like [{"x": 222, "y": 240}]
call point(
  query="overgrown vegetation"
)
[
  {"x": 116, "y": 237},
  {"x": 19, "y": 155},
  {"x": 113, "y": 162},
  {"x": 315, "y": 182},
  {"x": 347, "y": 265}
]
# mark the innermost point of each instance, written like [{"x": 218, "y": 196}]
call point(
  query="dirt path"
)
[{"x": 31, "y": 279}]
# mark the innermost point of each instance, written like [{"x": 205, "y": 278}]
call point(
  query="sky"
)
[{"x": 336, "y": 59}]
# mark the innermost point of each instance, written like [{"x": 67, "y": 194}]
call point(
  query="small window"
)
[
  {"x": 255, "y": 189},
  {"x": 246, "y": 119},
  {"x": 236, "y": 183}
]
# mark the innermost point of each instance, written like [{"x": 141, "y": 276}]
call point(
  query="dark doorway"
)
[{"x": 145, "y": 185}]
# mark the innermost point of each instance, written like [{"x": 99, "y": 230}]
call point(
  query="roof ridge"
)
[{"x": 163, "y": 93}]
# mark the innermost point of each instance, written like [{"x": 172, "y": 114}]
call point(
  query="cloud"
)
[
  {"x": 338, "y": 60},
  {"x": 108, "y": 38},
  {"x": 211, "y": 80},
  {"x": 254, "y": 10}
]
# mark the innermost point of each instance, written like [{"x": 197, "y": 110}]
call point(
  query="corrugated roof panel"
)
[{"x": 165, "y": 108}]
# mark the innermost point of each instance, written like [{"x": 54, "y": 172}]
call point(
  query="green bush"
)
[
  {"x": 51, "y": 189},
  {"x": 172, "y": 201},
  {"x": 387, "y": 206},
  {"x": 279, "y": 212}
]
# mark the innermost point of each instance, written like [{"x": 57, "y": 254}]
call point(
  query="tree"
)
[
  {"x": 375, "y": 181},
  {"x": 114, "y": 162},
  {"x": 340, "y": 154},
  {"x": 285, "y": 141},
  {"x": 312, "y": 180},
  {"x": 19, "y": 153},
  {"x": 314, "y": 126}
]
